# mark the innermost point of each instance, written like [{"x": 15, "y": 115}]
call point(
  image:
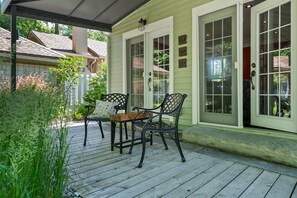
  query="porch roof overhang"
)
[{"x": 92, "y": 14}]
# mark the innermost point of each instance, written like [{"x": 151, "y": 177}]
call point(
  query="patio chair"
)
[
  {"x": 120, "y": 101},
  {"x": 159, "y": 122}
]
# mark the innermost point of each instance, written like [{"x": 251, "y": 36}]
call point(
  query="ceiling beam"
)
[{"x": 61, "y": 19}]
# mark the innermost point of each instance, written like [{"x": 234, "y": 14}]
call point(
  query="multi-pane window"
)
[
  {"x": 275, "y": 61},
  {"x": 160, "y": 69},
  {"x": 218, "y": 66},
  {"x": 137, "y": 69}
]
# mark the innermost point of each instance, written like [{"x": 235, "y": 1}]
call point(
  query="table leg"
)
[
  {"x": 121, "y": 138},
  {"x": 132, "y": 141},
  {"x": 112, "y": 130}
]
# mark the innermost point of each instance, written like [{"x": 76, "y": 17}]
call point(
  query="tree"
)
[
  {"x": 68, "y": 70},
  {"x": 97, "y": 35},
  {"x": 24, "y": 25},
  {"x": 98, "y": 85},
  {"x": 66, "y": 30}
]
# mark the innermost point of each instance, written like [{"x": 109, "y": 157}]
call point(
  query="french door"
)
[
  {"x": 149, "y": 68},
  {"x": 217, "y": 72},
  {"x": 273, "y": 69}
]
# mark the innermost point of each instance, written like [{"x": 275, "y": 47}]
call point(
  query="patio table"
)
[{"x": 125, "y": 118}]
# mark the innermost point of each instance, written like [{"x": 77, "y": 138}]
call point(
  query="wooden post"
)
[{"x": 13, "y": 32}]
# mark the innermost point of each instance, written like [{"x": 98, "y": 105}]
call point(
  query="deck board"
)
[
  {"x": 219, "y": 182},
  {"x": 261, "y": 185},
  {"x": 239, "y": 184},
  {"x": 96, "y": 171},
  {"x": 282, "y": 187}
]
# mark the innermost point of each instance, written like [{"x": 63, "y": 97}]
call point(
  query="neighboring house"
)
[
  {"x": 94, "y": 52},
  {"x": 31, "y": 57}
]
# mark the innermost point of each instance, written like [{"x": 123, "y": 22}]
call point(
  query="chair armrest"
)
[
  {"x": 144, "y": 109},
  {"x": 89, "y": 107}
]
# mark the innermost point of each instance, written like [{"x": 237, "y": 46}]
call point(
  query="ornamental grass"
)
[{"x": 33, "y": 142}]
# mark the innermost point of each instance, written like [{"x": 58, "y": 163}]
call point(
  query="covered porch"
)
[{"x": 96, "y": 171}]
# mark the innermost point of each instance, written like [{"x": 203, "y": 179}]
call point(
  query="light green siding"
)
[{"x": 155, "y": 10}]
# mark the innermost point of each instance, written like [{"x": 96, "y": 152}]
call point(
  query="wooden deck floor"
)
[{"x": 96, "y": 171}]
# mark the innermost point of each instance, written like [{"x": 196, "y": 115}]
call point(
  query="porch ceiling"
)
[{"x": 91, "y": 14}]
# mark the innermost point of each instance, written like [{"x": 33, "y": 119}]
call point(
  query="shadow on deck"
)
[{"x": 96, "y": 171}]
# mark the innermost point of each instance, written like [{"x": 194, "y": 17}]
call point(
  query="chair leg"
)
[
  {"x": 132, "y": 141},
  {"x": 179, "y": 147},
  {"x": 126, "y": 130},
  {"x": 151, "y": 138},
  {"x": 100, "y": 125},
  {"x": 143, "y": 148},
  {"x": 86, "y": 132},
  {"x": 163, "y": 139}
]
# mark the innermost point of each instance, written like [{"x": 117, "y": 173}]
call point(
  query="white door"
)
[
  {"x": 159, "y": 66},
  {"x": 273, "y": 54},
  {"x": 135, "y": 63},
  {"x": 217, "y": 72},
  {"x": 149, "y": 68}
]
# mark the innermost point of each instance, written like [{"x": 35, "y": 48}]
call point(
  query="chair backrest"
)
[
  {"x": 172, "y": 104},
  {"x": 120, "y": 99}
]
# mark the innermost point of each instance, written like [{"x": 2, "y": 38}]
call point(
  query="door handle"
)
[
  {"x": 149, "y": 83},
  {"x": 253, "y": 74}
]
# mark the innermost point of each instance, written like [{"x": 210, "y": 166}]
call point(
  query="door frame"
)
[
  {"x": 286, "y": 123},
  {"x": 197, "y": 12},
  {"x": 166, "y": 23}
]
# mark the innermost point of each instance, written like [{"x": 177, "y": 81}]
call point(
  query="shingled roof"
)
[
  {"x": 64, "y": 43},
  {"x": 99, "y": 47},
  {"x": 26, "y": 47}
]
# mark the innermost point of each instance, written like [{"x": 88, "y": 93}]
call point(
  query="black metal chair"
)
[
  {"x": 170, "y": 107},
  {"x": 120, "y": 99}
]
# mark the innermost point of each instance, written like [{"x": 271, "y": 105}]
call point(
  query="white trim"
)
[
  {"x": 124, "y": 55},
  {"x": 196, "y": 13},
  {"x": 294, "y": 60},
  {"x": 219, "y": 125},
  {"x": 163, "y": 23},
  {"x": 167, "y": 22},
  {"x": 108, "y": 63},
  {"x": 24, "y": 57},
  {"x": 78, "y": 55},
  {"x": 239, "y": 16},
  {"x": 212, "y": 7}
]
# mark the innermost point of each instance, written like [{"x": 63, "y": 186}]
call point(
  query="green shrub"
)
[
  {"x": 32, "y": 149},
  {"x": 79, "y": 111},
  {"x": 97, "y": 86}
]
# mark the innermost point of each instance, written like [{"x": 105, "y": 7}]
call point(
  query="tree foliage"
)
[
  {"x": 97, "y": 35},
  {"x": 24, "y": 25},
  {"x": 66, "y": 30},
  {"x": 97, "y": 86},
  {"x": 68, "y": 70}
]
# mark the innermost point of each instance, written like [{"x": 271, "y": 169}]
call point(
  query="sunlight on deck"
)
[{"x": 96, "y": 171}]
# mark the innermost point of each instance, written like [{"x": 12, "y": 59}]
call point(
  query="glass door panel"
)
[
  {"x": 136, "y": 70},
  {"x": 274, "y": 56},
  {"x": 217, "y": 75},
  {"x": 272, "y": 97},
  {"x": 160, "y": 69}
]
